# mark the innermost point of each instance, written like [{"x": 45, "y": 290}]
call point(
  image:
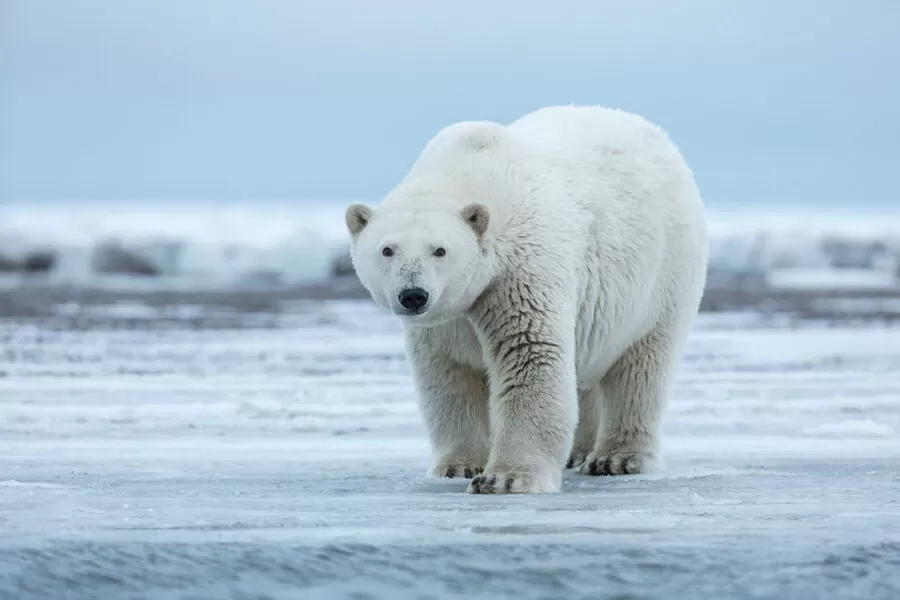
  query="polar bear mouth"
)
[{"x": 405, "y": 312}]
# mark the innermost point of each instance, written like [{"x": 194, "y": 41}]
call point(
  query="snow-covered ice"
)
[
  {"x": 288, "y": 461},
  {"x": 196, "y": 244}
]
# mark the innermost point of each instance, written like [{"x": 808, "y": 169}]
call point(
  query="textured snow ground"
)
[{"x": 289, "y": 461}]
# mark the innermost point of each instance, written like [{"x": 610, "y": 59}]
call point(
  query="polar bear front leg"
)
[
  {"x": 533, "y": 400},
  {"x": 453, "y": 399}
]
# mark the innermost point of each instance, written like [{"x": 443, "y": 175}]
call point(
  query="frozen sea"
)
[
  {"x": 198, "y": 244},
  {"x": 159, "y": 455}
]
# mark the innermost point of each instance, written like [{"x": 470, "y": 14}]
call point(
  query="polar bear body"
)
[{"x": 547, "y": 273}]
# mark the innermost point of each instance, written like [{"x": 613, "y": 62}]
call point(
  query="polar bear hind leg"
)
[
  {"x": 634, "y": 397},
  {"x": 590, "y": 405}
]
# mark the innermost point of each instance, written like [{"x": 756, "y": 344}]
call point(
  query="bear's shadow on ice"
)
[
  {"x": 663, "y": 481},
  {"x": 572, "y": 483}
]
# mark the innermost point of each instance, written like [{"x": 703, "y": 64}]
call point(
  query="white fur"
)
[{"x": 553, "y": 335}]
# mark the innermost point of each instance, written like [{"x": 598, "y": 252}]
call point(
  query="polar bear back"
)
[
  {"x": 640, "y": 215},
  {"x": 604, "y": 195}
]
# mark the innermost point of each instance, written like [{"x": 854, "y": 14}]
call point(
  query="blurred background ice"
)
[{"x": 207, "y": 143}]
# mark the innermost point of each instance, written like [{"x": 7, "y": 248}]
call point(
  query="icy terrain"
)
[
  {"x": 281, "y": 456},
  {"x": 201, "y": 245}
]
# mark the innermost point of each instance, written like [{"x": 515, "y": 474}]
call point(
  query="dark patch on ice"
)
[
  {"x": 114, "y": 258},
  {"x": 35, "y": 261},
  {"x": 600, "y": 570}
]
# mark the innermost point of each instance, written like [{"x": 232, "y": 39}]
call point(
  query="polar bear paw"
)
[
  {"x": 511, "y": 483},
  {"x": 619, "y": 463},
  {"x": 464, "y": 469},
  {"x": 577, "y": 458}
]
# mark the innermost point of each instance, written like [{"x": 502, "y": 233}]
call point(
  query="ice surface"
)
[
  {"x": 191, "y": 244},
  {"x": 289, "y": 462},
  {"x": 197, "y": 244},
  {"x": 832, "y": 279}
]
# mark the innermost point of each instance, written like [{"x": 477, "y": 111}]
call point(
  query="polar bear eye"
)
[
  {"x": 387, "y": 251},
  {"x": 440, "y": 252}
]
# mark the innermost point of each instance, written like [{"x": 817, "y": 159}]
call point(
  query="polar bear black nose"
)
[{"x": 413, "y": 298}]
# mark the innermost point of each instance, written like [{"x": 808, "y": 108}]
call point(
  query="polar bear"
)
[{"x": 547, "y": 273}]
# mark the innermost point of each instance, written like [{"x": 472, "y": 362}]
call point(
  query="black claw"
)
[
  {"x": 600, "y": 467},
  {"x": 451, "y": 472},
  {"x": 608, "y": 466},
  {"x": 509, "y": 484},
  {"x": 570, "y": 463},
  {"x": 468, "y": 473}
]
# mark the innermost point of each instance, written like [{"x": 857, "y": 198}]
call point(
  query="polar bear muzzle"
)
[{"x": 413, "y": 299}]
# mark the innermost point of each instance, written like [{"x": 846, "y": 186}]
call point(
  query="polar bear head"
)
[{"x": 425, "y": 263}]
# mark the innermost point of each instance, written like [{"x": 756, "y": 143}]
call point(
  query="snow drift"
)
[{"x": 203, "y": 244}]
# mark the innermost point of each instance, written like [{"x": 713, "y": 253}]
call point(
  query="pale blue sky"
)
[{"x": 773, "y": 102}]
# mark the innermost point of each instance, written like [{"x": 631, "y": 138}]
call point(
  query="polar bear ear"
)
[
  {"x": 357, "y": 217},
  {"x": 477, "y": 216}
]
